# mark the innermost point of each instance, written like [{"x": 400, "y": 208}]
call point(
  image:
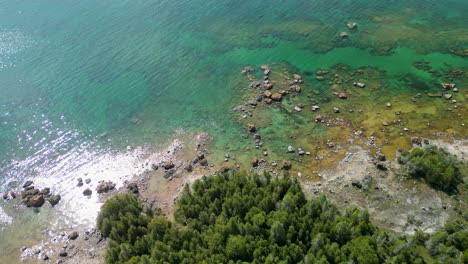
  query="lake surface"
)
[{"x": 88, "y": 87}]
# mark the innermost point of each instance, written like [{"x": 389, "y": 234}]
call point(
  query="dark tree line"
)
[{"x": 236, "y": 218}]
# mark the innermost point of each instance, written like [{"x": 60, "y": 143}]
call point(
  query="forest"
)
[{"x": 239, "y": 218}]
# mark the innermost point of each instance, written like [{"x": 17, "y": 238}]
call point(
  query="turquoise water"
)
[{"x": 140, "y": 70}]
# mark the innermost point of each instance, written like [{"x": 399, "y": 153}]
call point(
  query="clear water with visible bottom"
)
[{"x": 89, "y": 87}]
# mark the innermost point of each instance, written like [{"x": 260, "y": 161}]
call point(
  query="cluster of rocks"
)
[
  {"x": 170, "y": 168},
  {"x": 448, "y": 87},
  {"x": 103, "y": 187},
  {"x": 265, "y": 87},
  {"x": 300, "y": 151},
  {"x": 350, "y": 26},
  {"x": 33, "y": 197}
]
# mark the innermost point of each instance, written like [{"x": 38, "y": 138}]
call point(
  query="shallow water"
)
[{"x": 81, "y": 81}]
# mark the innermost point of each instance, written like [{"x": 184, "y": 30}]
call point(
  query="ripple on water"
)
[{"x": 12, "y": 42}]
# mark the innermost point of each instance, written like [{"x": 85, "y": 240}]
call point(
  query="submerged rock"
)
[
  {"x": 268, "y": 86},
  {"x": 276, "y": 97},
  {"x": 295, "y": 88},
  {"x": 351, "y": 25},
  {"x": 343, "y": 95},
  {"x": 359, "y": 84},
  {"x": 255, "y": 84},
  {"x": 448, "y": 86}
]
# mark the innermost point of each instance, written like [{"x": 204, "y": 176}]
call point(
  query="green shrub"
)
[{"x": 436, "y": 167}]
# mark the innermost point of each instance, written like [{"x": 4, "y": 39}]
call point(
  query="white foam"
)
[{"x": 4, "y": 218}]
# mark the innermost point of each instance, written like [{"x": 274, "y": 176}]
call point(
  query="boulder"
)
[
  {"x": 27, "y": 183},
  {"x": 290, "y": 149},
  {"x": 381, "y": 166},
  {"x": 320, "y": 78},
  {"x": 336, "y": 109},
  {"x": 169, "y": 173},
  {"x": 359, "y": 84},
  {"x": 315, "y": 108},
  {"x": 342, "y": 95},
  {"x": 203, "y": 162},
  {"x": 266, "y": 72},
  {"x": 344, "y": 35},
  {"x": 247, "y": 70},
  {"x": 104, "y": 187},
  {"x": 54, "y": 199},
  {"x": 188, "y": 167},
  {"x": 254, "y": 162},
  {"x": 276, "y": 97},
  {"x": 356, "y": 184},
  {"x": 36, "y": 200},
  {"x": 416, "y": 141},
  {"x": 63, "y": 253},
  {"x": 297, "y": 76},
  {"x": 351, "y": 25},
  {"x": 255, "y": 84},
  {"x": 133, "y": 187},
  {"x": 448, "y": 96},
  {"x": 252, "y": 103},
  {"x": 286, "y": 165},
  {"x": 223, "y": 169},
  {"x": 268, "y": 86},
  {"x": 380, "y": 156},
  {"x": 45, "y": 191},
  {"x": 295, "y": 88},
  {"x": 297, "y": 108},
  {"x": 29, "y": 192},
  {"x": 267, "y": 94},
  {"x": 251, "y": 128},
  {"x": 448, "y": 86},
  {"x": 318, "y": 118},
  {"x": 73, "y": 235},
  {"x": 87, "y": 192},
  {"x": 268, "y": 100},
  {"x": 168, "y": 165}
]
